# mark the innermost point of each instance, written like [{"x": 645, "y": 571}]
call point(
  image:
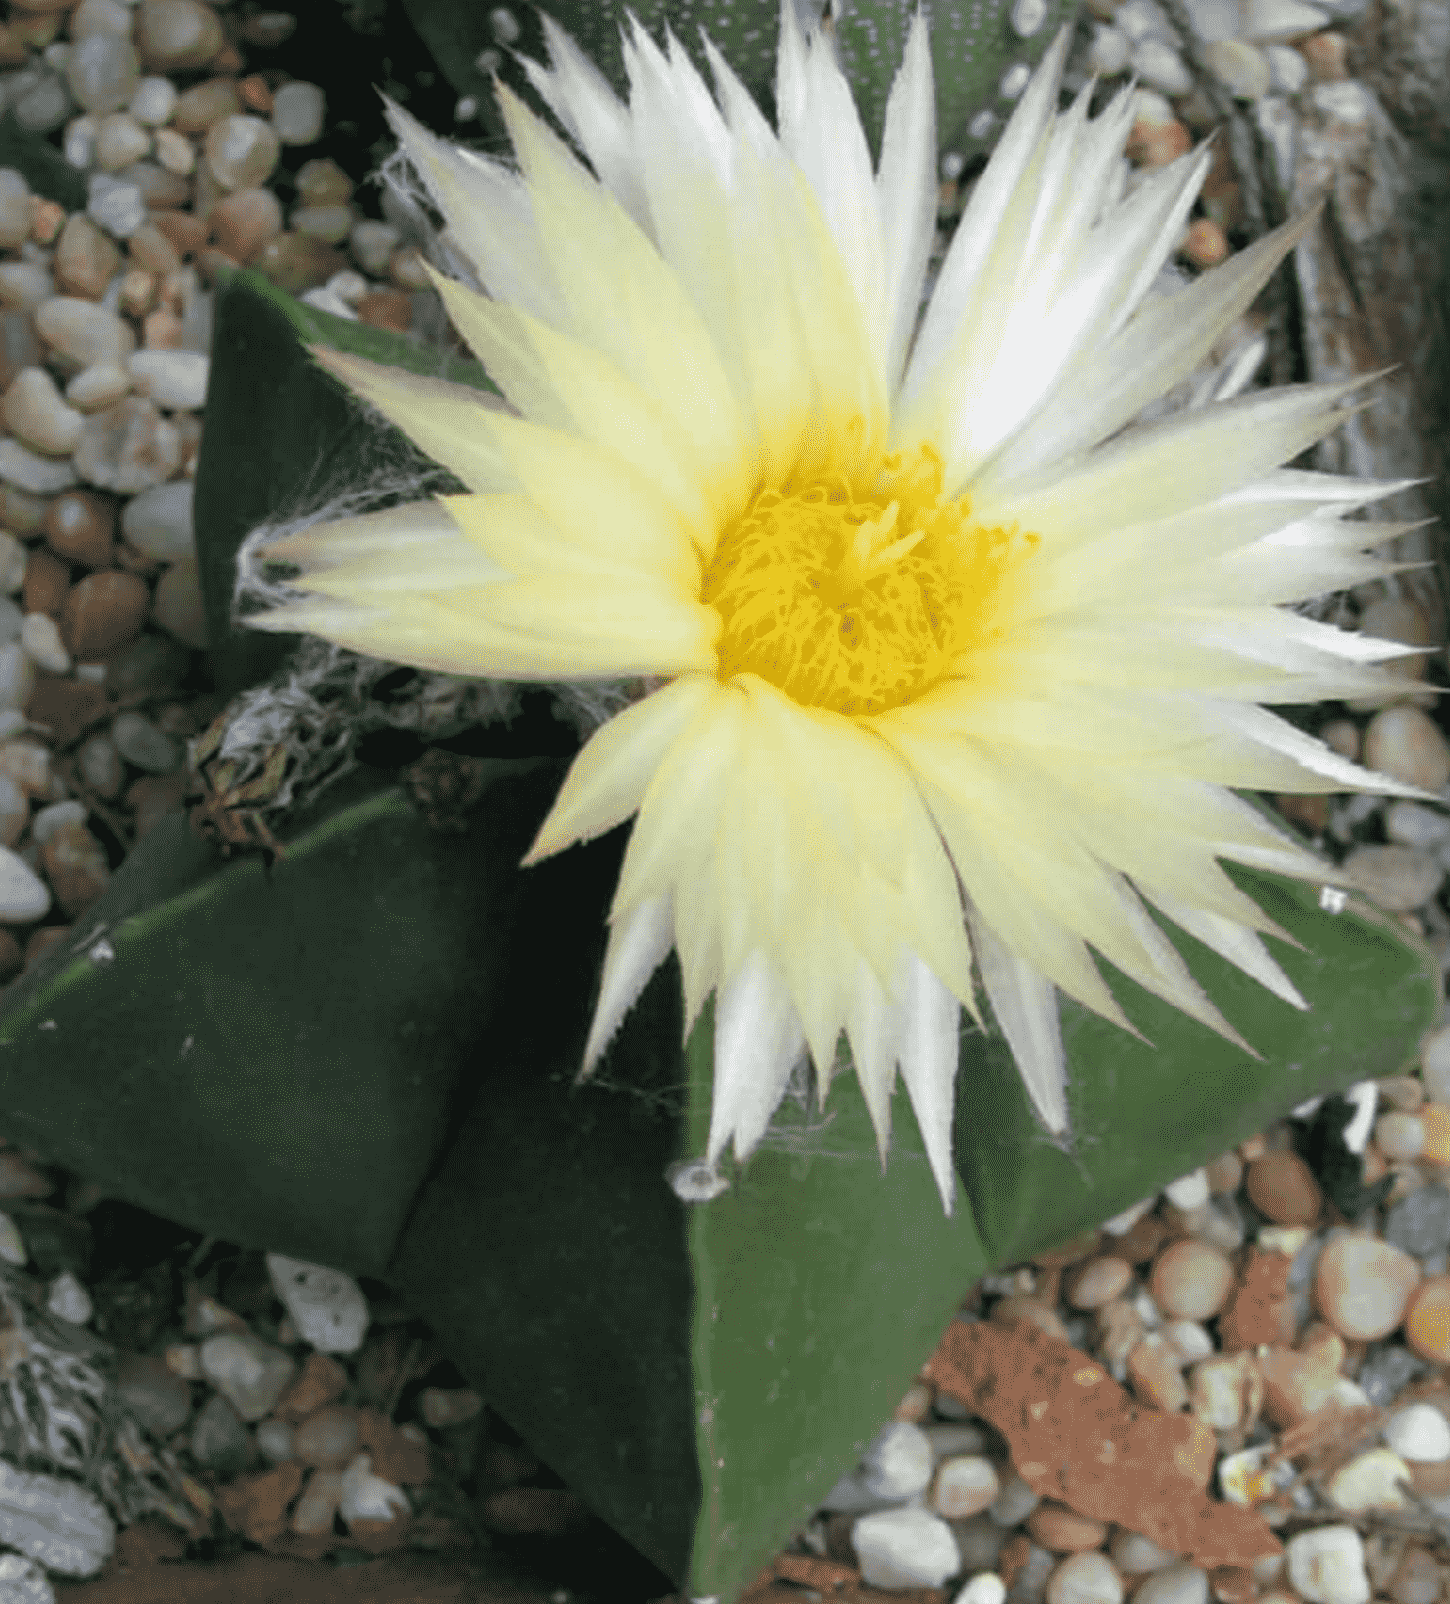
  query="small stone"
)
[
  {"x": 1362, "y": 1286},
  {"x": 241, "y": 152},
  {"x": 85, "y": 260},
  {"x": 1417, "y": 1579},
  {"x": 904, "y": 1548},
  {"x": 1014, "y": 1503},
  {"x": 76, "y": 865},
  {"x": 12, "y": 1250},
  {"x": 153, "y": 102},
  {"x": 120, "y": 141},
  {"x": 1155, "y": 1372},
  {"x": 28, "y": 764},
  {"x": 316, "y": 1509},
  {"x": 330, "y": 223},
  {"x": 256, "y": 1506},
  {"x": 1205, "y": 243},
  {"x": 965, "y": 1485},
  {"x": 1368, "y": 1482},
  {"x": 83, "y": 331},
  {"x": 1435, "y": 1121},
  {"x": 1274, "y": 21},
  {"x": 244, "y": 221},
  {"x": 102, "y": 72},
  {"x": 441, "y": 1408},
  {"x": 103, "y": 611},
  {"x": 128, "y": 448},
  {"x": 372, "y": 245},
  {"x": 1109, "y": 51},
  {"x": 1281, "y": 1186},
  {"x": 1174, "y": 1584},
  {"x": 1098, "y": 1281},
  {"x": 1135, "y": 1555},
  {"x": 1288, "y": 70},
  {"x": 149, "y": 1390},
  {"x": 1326, "y": 55},
  {"x": 100, "y": 765},
  {"x": 368, "y": 1497},
  {"x": 298, "y": 113},
  {"x": 139, "y": 741},
  {"x": 1399, "y": 1136},
  {"x": 179, "y": 607},
  {"x": 1085, "y": 1579},
  {"x": 249, "y": 1373},
  {"x": 1242, "y": 68},
  {"x": 175, "y": 380},
  {"x": 14, "y": 209},
  {"x": 41, "y": 639},
  {"x": 54, "y": 1522},
  {"x": 319, "y": 1382},
  {"x": 1191, "y": 1280},
  {"x": 204, "y": 105},
  {"x": 985, "y": 1588},
  {"x": 41, "y": 476},
  {"x": 51, "y": 818},
  {"x": 177, "y": 35},
  {"x": 79, "y": 526},
  {"x": 68, "y": 1300},
  {"x": 1161, "y": 67},
  {"x": 1063, "y": 1530},
  {"x": 24, "y": 285},
  {"x": 295, "y": 262},
  {"x": 1398, "y": 879},
  {"x": 1407, "y": 745},
  {"x": 1418, "y": 1432},
  {"x": 1427, "y": 1320},
  {"x": 274, "y": 1440},
  {"x": 39, "y": 417},
  {"x": 326, "y": 1306},
  {"x": 97, "y": 387},
  {"x": 1419, "y": 1224},
  {"x": 1410, "y": 824},
  {"x": 327, "y": 1439},
  {"x": 1326, "y": 1566},
  {"x": 219, "y": 1441},
  {"x": 23, "y": 896}
]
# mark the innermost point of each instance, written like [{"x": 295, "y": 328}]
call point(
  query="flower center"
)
[{"x": 858, "y": 603}]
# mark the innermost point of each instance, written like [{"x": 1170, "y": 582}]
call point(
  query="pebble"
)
[
  {"x": 41, "y": 476},
  {"x": 23, "y": 896},
  {"x": 298, "y": 113},
  {"x": 102, "y": 72},
  {"x": 1014, "y": 1503},
  {"x": 12, "y": 1247},
  {"x": 1411, "y": 824},
  {"x": 274, "y": 1440},
  {"x": 1418, "y": 1432},
  {"x": 373, "y": 244},
  {"x": 248, "y": 1372},
  {"x": 317, "y": 1507},
  {"x": 117, "y": 203},
  {"x": 83, "y": 331},
  {"x": 103, "y": 611},
  {"x": 1063, "y": 1530},
  {"x": 1362, "y": 1286},
  {"x": 1283, "y": 1189},
  {"x": 1174, "y": 1584},
  {"x": 1135, "y": 1555},
  {"x": 121, "y": 140},
  {"x": 965, "y": 1485},
  {"x": 41, "y": 639},
  {"x": 22, "y": 1581},
  {"x": 1098, "y": 1281},
  {"x": 76, "y": 865},
  {"x": 127, "y": 448},
  {"x": 986, "y": 1588},
  {"x": 139, "y": 741},
  {"x": 904, "y": 1548},
  {"x": 1427, "y": 1320},
  {"x": 14, "y": 208},
  {"x": 1399, "y": 1136},
  {"x": 97, "y": 387},
  {"x": 177, "y": 35},
  {"x": 332, "y": 224},
  {"x": 1191, "y": 1280},
  {"x": 1368, "y": 1482},
  {"x": 1085, "y": 1579},
  {"x": 365, "y": 1496},
  {"x": 13, "y": 560},
  {"x": 68, "y": 1300},
  {"x": 153, "y": 102},
  {"x": 1419, "y": 1224},
  {"x": 1275, "y": 21},
  {"x": 1161, "y": 67},
  {"x": 27, "y": 762},
  {"x": 100, "y": 765},
  {"x": 1407, "y": 745},
  {"x": 1242, "y": 68},
  {"x": 327, "y": 1439},
  {"x": 241, "y": 152},
  {"x": 244, "y": 221},
  {"x": 14, "y": 811},
  {"x": 24, "y": 285},
  {"x": 1417, "y": 1579},
  {"x": 1385, "y": 1373},
  {"x": 1326, "y": 1566},
  {"x": 441, "y": 1407},
  {"x": 1398, "y": 879},
  {"x": 159, "y": 1399},
  {"x": 175, "y": 380},
  {"x": 54, "y": 1522},
  {"x": 219, "y": 1441}
]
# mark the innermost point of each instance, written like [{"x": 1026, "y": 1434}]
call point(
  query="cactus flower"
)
[{"x": 953, "y": 661}]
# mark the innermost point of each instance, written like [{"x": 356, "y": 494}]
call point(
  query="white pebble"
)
[
  {"x": 24, "y": 896},
  {"x": 1089, "y": 1578},
  {"x": 140, "y": 742},
  {"x": 369, "y": 1497},
  {"x": 1288, "y": 70},
  {"x": 40, "y": 637},
  {"x": 1109, "y": 51},
  {"x": 898, "y": 1463},
  {"x": 1369, "y": 1481},
  {"x": 1160, "y": 66},
  {"x": 1014, "y": 80},
  {"x": 1411, "y": 824},
  {"x": 68, "y": 1300},
  {"x": 154, "y": 101},
  {"x": 1326, "y": 1566},
  {"x": 905, "y": 1548},
  {"x": 1174, "y": 1584},
  {"x": 1121, "y": 1224},
  {"x": 1242, "y": 68},
  {"x": 323, "y": 299},
  {"x": 1027, "y": 17},
  {"x": 12, "y": 1249},
  {"x": 94, "y": 388},
  {"x": 27, "y": 470},
  {"x": 175, "y": 380},
  {"x": 13, "y": 557},
  {"x": 159, "y": 522},
  {"x": 1188, "y": 1191},
  {"x": 17, "y": 675},
  {"x": 1265, "y": 22},
  {"x": 298, "y": 111},
  {"x": 100, "y": 764},
  {"x": 1419, "y": 1432},
  {"x": 965, "y": 1485},
  {"x": 51, "y": 818},
  {"x": 116, "y": 204},
  {"x": 1346, "y": 102},
  {"x": 326, "y": 1306},
  {"x": 984, "y": 1588}
]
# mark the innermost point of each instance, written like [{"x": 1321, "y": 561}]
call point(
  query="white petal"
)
[
  {"x": 758, "y": 1039},
  {"x": 930, "y": 1051},
  {"x": 639, "y": 943},
  {"x": 873, "y": 1027},
  {"x": 1027, "y": 1010}
]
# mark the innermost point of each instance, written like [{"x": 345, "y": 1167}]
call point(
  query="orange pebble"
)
[
  {"x": 46, "y": 218},
  {"x": 1427, "y": 1321},
  {"x": 1204, "y": 244},
  {"x": 255, "y": 93},
  {"x": 1435, "y": 1117}
]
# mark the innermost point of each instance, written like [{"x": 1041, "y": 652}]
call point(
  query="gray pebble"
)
[
  {"x": 1420, "y": 1223},
  {"x": 1386, "y": 1371},
  {"x": 980, "y": 1540},
  {"x": 100, "y": 764},
  {"x": 248, "y": 1372},
  {"x": 158, "y": 1398},
  {"x": 1177, "y": 1584},
  {"x": 219, "y": 1440},
  {"x": 140, "y": 742}
]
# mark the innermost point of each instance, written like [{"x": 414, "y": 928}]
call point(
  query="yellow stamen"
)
[{"x": 858, "y": 602}]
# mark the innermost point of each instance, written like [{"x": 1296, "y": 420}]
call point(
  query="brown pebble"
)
[
  {"x": 1205, "y": 244},
  {"x": 103, "y": 611},
  {"x": 1155, "y": 1373},
  {"x": 1191, "y": 1280},
  {"x": 1157, "y": 144},
  {"x": 85, "y": 259},
  {"x": 327, "y": 1440},
  {"x": 203, "y": 104},
  {"x": 41, "y": 941},
  {"x": 1224, "y": 1173},
  {"x": 66, "y": 707},
  {"x": 256, "y": 96},
  {"x": 386, "y": 309},
  {"x": 20, "y": 1178},
  {"x": 243, "y": 222},
  {"x": 75, "y": 864},
  {"x": 1021, "y": 1306},
  {"x": 183, "y": 231},
  {"x": 1062, "y": 1530},
  {"x": 151, "y": 250},
  {"x": 320, "y": 1380},
  {"x": 1233, "y": 1584},
  {"x": 1098, "y": 1281},
  {"x": 1427, "y": 1320},
  {"x": 1141, "y": 1241},
  {"x": 1327, "y": 54},
  {"x": 46, "y": 585},
  {"x": 80, "y": 526},
  {"x": 1281, "y": 1186}
]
